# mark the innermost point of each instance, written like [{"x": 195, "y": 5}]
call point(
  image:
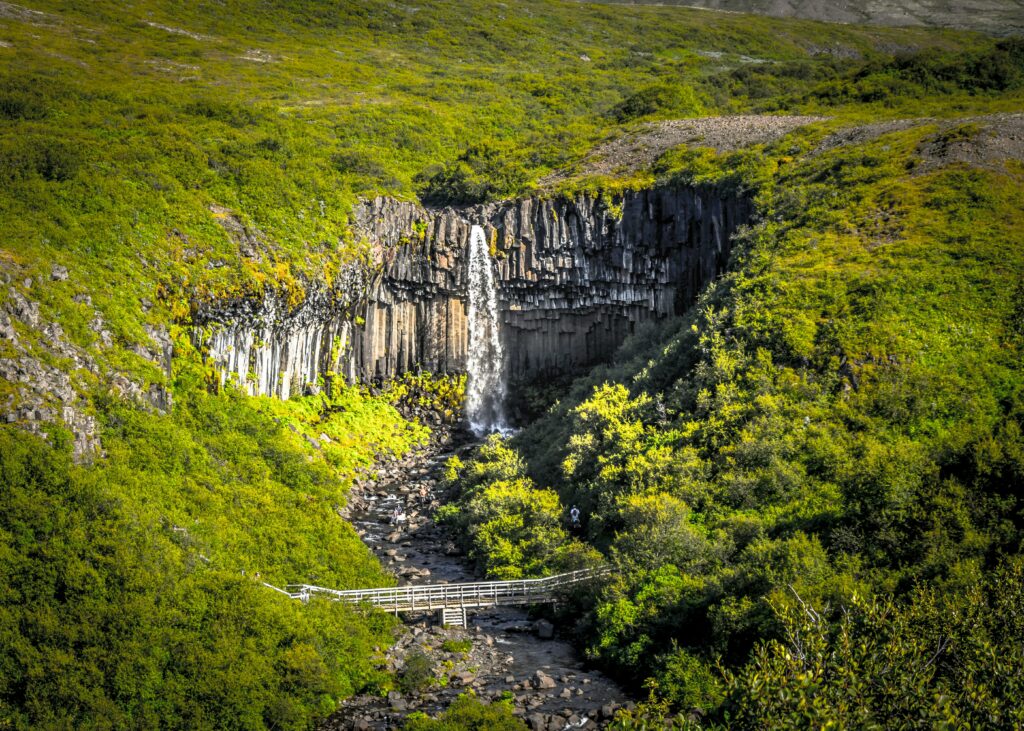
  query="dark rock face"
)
[{"x": 575, "y": 277}]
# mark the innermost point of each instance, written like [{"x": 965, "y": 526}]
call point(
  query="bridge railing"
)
[{"x": 440, "y": 596}]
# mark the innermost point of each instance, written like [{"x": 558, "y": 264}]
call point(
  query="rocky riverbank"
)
[{"x": 501, "y": 654}]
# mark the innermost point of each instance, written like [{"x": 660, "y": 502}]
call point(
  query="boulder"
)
[
  {"x": 537, "y": 722},
  {"x": 543, "y": 681}
]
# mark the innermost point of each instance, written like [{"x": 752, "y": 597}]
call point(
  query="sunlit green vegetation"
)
[
  {"x": 133, "y": 131},
  {"x": 833, "y": 433},
  {"x": 468, "y": 713},
  {"x": 443, "y": 396},
  {"x": 134, "y": 593},
  {"x": 839, "y": 417}
]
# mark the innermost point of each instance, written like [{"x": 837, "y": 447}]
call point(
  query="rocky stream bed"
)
[{"x": 509, "y": 654}]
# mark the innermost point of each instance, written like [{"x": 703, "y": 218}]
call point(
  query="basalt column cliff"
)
[{"x": 575, "y": 277}]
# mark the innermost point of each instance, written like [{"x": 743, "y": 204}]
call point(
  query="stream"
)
[{"x": 551, "y": 687}]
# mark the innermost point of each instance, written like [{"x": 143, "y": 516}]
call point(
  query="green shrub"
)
[
  {"x": 663, "y": 99},
  {"x": 457, "y": 646},
  {"x": 417, "y": 674},
  {"x": 51, "y": 159},
  {"x": 468, "y": 713},
  {"x": 153, "y": 603},
  {"x": 489, "y": 171},
  {"x": 932, "y": 659}
]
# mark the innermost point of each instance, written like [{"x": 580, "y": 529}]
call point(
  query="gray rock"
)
[
  {"x": 544, "y": 629},
  {"x": 543, "y": 681},
  {"x": 576, "y": 276},
  {"x": 7, "y": 331},
  {"x": 23, "y": 308},
  {"x": 537, "y": 722},
  {"x": 58, "y": 273}
]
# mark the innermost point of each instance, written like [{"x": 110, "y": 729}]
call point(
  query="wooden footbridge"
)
[{"x": 451, "y": 601}]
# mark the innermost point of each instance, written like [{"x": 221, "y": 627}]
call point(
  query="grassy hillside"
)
[
  {"x": 812, "y": 408},
  {"x": 998, "y": 17},
  {"x": 839, "y": 418},
  {"x": 137, "y": 133},
  {"x": 133, "y": 589}
]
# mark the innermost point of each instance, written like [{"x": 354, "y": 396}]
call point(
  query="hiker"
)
[{"x": 574, "y": 517}]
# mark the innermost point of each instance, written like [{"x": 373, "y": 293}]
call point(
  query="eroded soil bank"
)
[{"x": 550, "y": 686}]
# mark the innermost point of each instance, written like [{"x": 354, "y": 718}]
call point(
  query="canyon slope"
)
[{"x": 781, "y": 259}]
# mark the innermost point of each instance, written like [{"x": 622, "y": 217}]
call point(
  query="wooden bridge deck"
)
[{"x": 433, "y": 597}]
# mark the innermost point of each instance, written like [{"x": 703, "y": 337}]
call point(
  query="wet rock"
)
[
  {"x": 544, "y": 629},
  {"x": 487, "y": 667}
]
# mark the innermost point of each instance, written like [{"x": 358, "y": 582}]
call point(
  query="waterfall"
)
[{"x": 485, "y": 383}]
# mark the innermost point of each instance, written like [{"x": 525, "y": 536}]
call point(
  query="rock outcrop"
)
[
  {"x": 575, "y": 278},
  {"x": 42, "y": 394}
]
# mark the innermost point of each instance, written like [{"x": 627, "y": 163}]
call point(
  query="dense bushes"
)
[
  {"x": 931, "y": 71},
  {"x": 839, "y": 418},
  {"x": 488, "y": 171},
  {"x": 510, "y": 528},
  {"x": 132, "y": 589},
  {"x": 676, "y": 100},
  {"x": 50, "y": 159},
  {"x": 902, "y": 80},
  {"x": 468, "y": 713},
  {"x": 414, "y": 393},
  {"x": 933, "y": 660}
]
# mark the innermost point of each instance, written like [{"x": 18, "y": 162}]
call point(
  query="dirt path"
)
[{"x": 550, "y": 685}]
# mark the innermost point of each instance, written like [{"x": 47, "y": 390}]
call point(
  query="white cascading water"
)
[{"x": 485, "y": 383}]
